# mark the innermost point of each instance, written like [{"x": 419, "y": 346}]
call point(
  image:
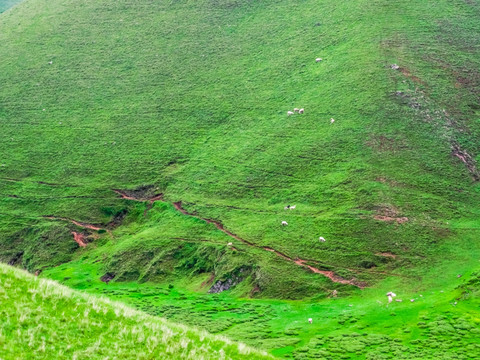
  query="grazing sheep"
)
[
  {"x": 290, "y": 113},
  {"x": 390, "y": 299},
  {"x": 293, "y": 207},
  {"x": 284, "y": 223},
  {"x": 398, "y": 300},
  {"x": 286, "y": 207},
  {"x": 301, "y": 111},
  {"x": 332, "y": 120},
  {"x": 395, "y": 67},
  {"x": 318, "y": 59},
  {"x": 229, "y": 244},
  {"x": 412, "y": 300},
  {"x": 459, "y": 275},
  {"x": 392, "y": 294},
  {"x": 322, "y": 239},
  {"x": 334, "y": 293},
  {"x": 50, "y": 62},
  {"x": 310, "y": 320},
  {"x": 296, "y": 110}
]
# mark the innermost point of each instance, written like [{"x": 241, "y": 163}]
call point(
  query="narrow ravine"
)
[{"x": 300, "y": 262}]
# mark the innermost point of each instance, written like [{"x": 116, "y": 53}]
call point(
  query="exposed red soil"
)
[
  {"x": 79, "y": 238},
  {"x": 300, "y": 262},
  {"x": 218, "y": 224},
  {"x": 78, "y": 223},
  {"x": 467, "y": 159},
  {"x": 409, "y": 75},
  {"x": 387, "y": 254},
  {"x": 303, "y": 263},
  {"x": 399, "y": 220}
]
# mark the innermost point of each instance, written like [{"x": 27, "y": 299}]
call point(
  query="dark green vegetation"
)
[
  {"x": 44, "y": 320},
  {"x": 189, "y": 99}
]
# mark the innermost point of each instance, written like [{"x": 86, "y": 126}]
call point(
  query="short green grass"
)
[{"x": 190, "y": 97}]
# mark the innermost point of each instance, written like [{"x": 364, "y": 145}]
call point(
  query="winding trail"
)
[{"x": 300, "y": 262}]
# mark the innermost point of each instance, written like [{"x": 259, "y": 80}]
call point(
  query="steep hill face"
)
[
  {"x": 70, "y": 324},
  {"x": 182, "y": 108}
]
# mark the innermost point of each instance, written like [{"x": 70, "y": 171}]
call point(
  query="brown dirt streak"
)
[
  {"x": 414, "y": 78},
  {"x": 79, "y": 238},
  {"x": 387, "y": 254},
  {"x": 178, "y": 206},
  {"x": 78, "y": 223}
]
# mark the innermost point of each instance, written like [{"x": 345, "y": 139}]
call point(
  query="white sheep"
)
[
  {"x": 332, "y": 120},
  {"x": 395, "y": 67},
  {"x": 50, "y": 62},
  {"x": 301, "y": 111},
  {"x": 412, "y": 300},
  {"x": 296, "y": 110},
  {"x": 318, "y": 59},
  {"x": 398, "y": 300},
  {"x": 290, "y": 113},
  {"x": 392, "y": 294},
  {"x": 284, "y": 223},
  {"x": 390, "y": 299},
  {"x": 293, "y": 207},
  {"x": 229, "y": 244},
  {"x": 310, "y": 320},
  {"x": 322, "y": 239}
]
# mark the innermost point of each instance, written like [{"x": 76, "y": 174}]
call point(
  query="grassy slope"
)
[
  {"x": 44, "y": 320},
  {"x": 192, "y": 97}
]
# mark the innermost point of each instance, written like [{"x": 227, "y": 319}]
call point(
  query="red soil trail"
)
[
  {"x": 79, "y": 239},
  {"x": 77, "y": 236},
  {"x": 78, "y": 223},
  {"x": 300, "y": 262},
  {"x": 218, "y": 224},
  {"x": 330, "y": 274}
]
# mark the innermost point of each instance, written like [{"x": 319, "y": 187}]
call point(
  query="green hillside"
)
[
  {"x": 44, "y": 320},
  {"x": 146, "y": 154}
]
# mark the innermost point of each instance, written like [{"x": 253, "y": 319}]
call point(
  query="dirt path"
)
[{"x": 300, "y": 262}]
